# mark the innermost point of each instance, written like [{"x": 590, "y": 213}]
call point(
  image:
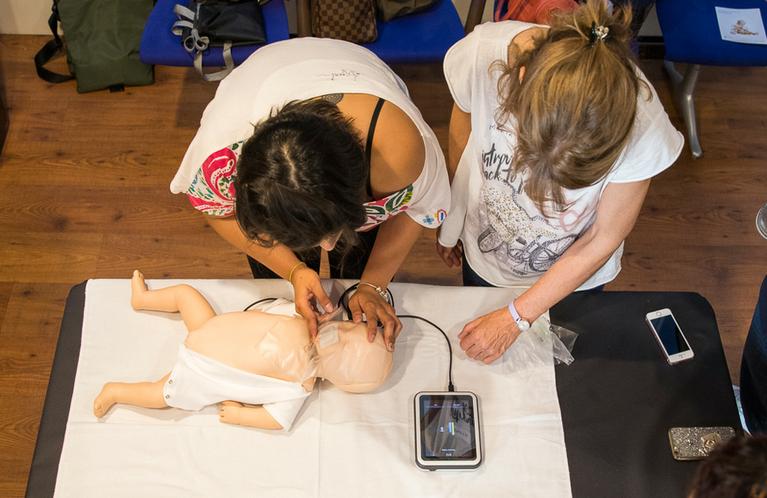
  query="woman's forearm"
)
[
  {"x": 616, "y": 215},
  {"x": 395, "y": 239},
  {"x": 572, "y": 269},
  {"x": 279, "y": 258}
]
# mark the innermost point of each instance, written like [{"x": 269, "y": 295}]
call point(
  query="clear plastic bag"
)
[
  {"x": 563, "y": 341},
  {"x": 527, "y": 353}
]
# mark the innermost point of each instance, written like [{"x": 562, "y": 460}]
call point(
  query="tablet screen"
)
[{"x": 447, "y": 427}]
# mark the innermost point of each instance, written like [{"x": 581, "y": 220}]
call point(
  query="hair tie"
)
[{"x": 598, "y": 33}]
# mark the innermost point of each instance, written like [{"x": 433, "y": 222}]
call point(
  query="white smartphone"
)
[
  {"x": 669, "y": 336},
  {"x": 447, "y": 434}
]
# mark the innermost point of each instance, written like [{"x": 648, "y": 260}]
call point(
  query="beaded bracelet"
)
[{"x": 381, "y": 292}]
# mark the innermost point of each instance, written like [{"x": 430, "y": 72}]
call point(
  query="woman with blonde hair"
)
[{"x": 554, "y": 136}]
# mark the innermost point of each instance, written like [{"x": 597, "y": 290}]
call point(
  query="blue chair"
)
[
  {"x": 691, "y": 35},
  {"x": 421, "y": 37},
  {"x": 160, "y": 46},
  {"x": 753, "y": 368}
]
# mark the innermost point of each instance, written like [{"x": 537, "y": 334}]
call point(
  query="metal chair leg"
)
[{"x": 683, "y": 88}]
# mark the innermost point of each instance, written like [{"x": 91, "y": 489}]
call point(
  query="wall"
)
[{"x": 27, "y": 17}]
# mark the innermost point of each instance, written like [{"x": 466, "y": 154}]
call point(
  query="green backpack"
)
[{"x": 102, "y": 43}]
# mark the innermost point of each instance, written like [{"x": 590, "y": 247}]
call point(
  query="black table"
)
[
  {"x": 618, "y": 399},
  {"x": 620, "y": 396}
]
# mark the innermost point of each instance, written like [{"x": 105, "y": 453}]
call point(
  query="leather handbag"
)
[
  {"x": 389, "y": 9},
  {"x": 350, "y": 20},
  {"x": 218, "y": 23}
]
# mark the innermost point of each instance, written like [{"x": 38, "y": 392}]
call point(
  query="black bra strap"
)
[{"x": 369, "y": 144}]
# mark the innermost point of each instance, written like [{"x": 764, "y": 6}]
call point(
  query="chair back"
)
[
  {"x": 753, "y": 369},
  {"x": 691, "y": 33}
]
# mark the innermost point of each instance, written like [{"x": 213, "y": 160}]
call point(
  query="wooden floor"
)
[{"x": 84, "y": 194}]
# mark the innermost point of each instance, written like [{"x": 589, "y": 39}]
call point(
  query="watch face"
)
[{"x": 523, "y": 325}]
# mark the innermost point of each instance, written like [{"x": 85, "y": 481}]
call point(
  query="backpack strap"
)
[
  {"x": 50, "y": 50},
  {"x": 217, "y": 75},
  {"x": 196, "y": 44}
]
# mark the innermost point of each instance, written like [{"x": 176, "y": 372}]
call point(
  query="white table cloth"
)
[{"x": 341, "y": 444}]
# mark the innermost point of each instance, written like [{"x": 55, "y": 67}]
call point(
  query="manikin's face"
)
[{"x": 348, "y": 360}]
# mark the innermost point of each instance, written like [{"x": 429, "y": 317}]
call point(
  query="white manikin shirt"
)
[
  {"x": 301, "y": 69},
  {"x": 506, "y": 239}
]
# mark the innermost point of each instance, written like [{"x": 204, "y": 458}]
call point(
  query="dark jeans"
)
[
  {"x": 753, "y": 369},
  {"x": 471, "y": 279},
  {"x": 344, "y": 262}
]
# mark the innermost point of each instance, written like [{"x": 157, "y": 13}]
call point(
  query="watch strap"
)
[{"x": 514, "y": 313}]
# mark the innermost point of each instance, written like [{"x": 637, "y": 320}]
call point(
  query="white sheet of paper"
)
[
  {"x": 341, "y": 444},
  {"x": 741, "y": 25}
]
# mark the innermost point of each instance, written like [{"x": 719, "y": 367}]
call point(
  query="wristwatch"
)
[{"x": 521, "y": 322}]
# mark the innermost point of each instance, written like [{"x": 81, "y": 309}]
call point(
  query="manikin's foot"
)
[
  {"x": 229, "y": 412},
  {"x": 104, "y": 401},
  {"x": 138, "y": 289}
]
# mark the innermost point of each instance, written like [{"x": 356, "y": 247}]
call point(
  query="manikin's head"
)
[{"x": 348, "y": 360}]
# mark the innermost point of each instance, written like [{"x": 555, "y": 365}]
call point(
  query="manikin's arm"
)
[{"x": 232, "y": 412}]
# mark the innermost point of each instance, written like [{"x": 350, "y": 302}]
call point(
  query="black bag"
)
[
  {"x": 102, "y": 43},
  {"x": 389, "y": 9},
  {"x": 218, "y": 23}
]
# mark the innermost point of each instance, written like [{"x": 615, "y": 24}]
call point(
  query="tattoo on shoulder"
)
[{"x": 333, "y": 98}]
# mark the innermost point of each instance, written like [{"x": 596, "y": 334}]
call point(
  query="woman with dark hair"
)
[
  {"x": 736, "y": 469},
  {"x": 315, "y": 143},
  {"x": 554, "y": 137}
]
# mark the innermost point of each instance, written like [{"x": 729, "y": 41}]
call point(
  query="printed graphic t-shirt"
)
[
  {"x": 300, "y": 69},
  {"x": 507, "y": 240}
]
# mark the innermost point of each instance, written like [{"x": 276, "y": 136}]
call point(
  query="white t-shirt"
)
[
  {"x": 300, "y": 69},
  {"x": 507, "y": 240}
]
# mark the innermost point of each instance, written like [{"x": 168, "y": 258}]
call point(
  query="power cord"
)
[{"x": 256, "y": 303}]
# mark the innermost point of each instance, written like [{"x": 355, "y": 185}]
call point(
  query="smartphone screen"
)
[
  {"x": 670, "y": 336},
  {"x": 447, "y": 427}
]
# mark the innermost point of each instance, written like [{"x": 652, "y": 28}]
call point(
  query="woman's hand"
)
[
  {"x": 308, "y": 293},
  {"x": 376, "y": 309},
  {"x": 486, "y": 338},
  {"x": 452, "y": 256}
]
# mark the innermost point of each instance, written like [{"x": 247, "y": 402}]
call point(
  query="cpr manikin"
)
[{"x": 258, "y": 366}]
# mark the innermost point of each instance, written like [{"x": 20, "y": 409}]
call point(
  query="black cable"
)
[
  {"x": 450, "y": 386},
  {"x": 255, "y": 303}
]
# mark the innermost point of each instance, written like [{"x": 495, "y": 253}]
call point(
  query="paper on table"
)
[{"x": 741, "y": 25}]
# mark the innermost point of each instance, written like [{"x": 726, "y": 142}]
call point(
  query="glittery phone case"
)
[{"x": 695, "y": 443}]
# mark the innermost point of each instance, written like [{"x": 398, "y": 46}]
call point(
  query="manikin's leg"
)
[
  {"x": 184, "y": 299},
  {"x": 144, "y": 394},
  {"x": 194, "y": 310}
]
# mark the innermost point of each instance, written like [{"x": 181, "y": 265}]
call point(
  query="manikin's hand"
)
[
  {"x": 308, "y": 293},
  {"x": 366, "y": 300},
  {"x": 450, "y": 255},
  {"x": 486, "y": 338}
]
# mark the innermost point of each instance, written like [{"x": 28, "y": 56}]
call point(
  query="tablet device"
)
[{"x": 447, "y": 431}]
